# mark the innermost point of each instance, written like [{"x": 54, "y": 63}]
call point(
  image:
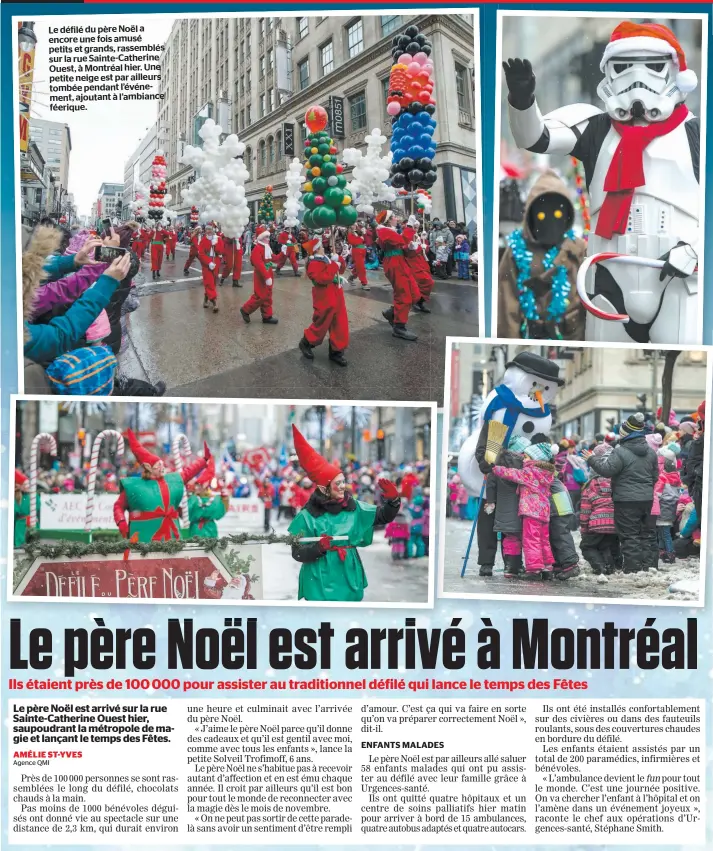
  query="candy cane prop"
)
[
  {"x": 180, "y": 449},
  {"x": 93, "y": 464},
  {"x": 629, "y": 259},
  {"x": 43, "y": 437}
]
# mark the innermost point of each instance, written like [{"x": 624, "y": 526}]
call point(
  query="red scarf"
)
[{"x": 626, "y": 170}]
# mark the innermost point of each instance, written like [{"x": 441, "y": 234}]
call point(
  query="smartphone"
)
[
  {"x": 108, "y": 253},
  {"x": 107, "y": 227}
]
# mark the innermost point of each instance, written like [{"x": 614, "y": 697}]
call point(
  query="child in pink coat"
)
[{"x": 534, "y": 481}]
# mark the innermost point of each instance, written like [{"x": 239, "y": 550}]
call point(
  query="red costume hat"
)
[
  {"x": 628, "y": 38},
  {"x": 141, "y": 453},
  {"x": 311, "y": 244},
  {"x": 208, "y": 474},
  {"x": 20, "y": 478},
  {"x": 261, "y": 229},
  {"x": 384, "y": 217},
  {"x": 319, "y": 470}
]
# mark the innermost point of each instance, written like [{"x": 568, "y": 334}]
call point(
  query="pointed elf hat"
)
[
  {"x": 311, "y": 244},
  {"x": 629, "y": 37},
  {"x": 208, "y": 474},
  {"x": 20, "y": 477},
  {"x": 319, "y": 470},
  {"x": 141, "y": 453}
]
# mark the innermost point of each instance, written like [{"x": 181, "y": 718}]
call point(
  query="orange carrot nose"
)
[{"x": 538, "y": 396}]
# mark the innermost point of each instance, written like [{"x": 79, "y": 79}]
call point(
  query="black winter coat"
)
[
  {"x": 632, "y": 467},
  {"x": 504, "y": 494}
]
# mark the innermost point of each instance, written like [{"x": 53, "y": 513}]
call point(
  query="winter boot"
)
[
  {"x": 306, "y": 349},
  {"x": 388, "y": 315},
  {"x": 421, "y": 306},
  {"x": 365, "y": 288},
  {"x": 246, "y": 316},
  {"x": 206, "y": 302},
  {"x": 215, "y": 305},
  {"x": 236, "y": 282},
  {"x": 513, "y": 566},
  {"x": 565, "y": 571},
  {"x": 485, "y": 570},
  {"x": 402, "y": 332},
  {"x": 269, "y": 320},
  {"x": 337, "y": 357}
]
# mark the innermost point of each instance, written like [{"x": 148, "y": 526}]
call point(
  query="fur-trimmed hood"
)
[{"x": 44, "y": 242}]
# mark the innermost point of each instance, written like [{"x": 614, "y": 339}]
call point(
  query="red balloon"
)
[
  {"x": 432, "y": 101},
  {"x": 424, "y": 97},
  {"x": 316, "y": 118},
  {"x": 340, "y": 168},
  {"x": 333, "y": 150}
]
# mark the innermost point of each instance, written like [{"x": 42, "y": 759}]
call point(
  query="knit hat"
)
[
  {"x": 654, "y": 440},
  {"x": 688, "y": 426},
  {"x": 541, "y": 451},
  {"x": 602, "y": 449},
  {"x": 141, "y": 453},
  {"x": 518, "y": 443},
  {"x": 633, "y": 425},
  {"x": 673, "y": 447},
  {"x": 701, "y": 412},
  {"x": 667, "y": 453},
  {"x": 319, "y": 470},
  {"x": 20, "y": 478},
  {"x": 629, "y": 38},
  {"x": 384, "y": 217}
]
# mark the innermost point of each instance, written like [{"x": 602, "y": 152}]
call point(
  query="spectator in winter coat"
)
[
  {"x": 600, "y": 544},
  {"x": 561, "y": 540},
  {"x": 501, "y": 500},
  {"x": 633, "y": 470},
  {"x": 668, "y": 491},
  {"x": 693, "y": 470}
]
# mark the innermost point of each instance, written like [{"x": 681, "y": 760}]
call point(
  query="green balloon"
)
[
  {"x": 315, "y": 159},
  {"x": 307, "y": 220},
  {"x": 323, "y": 148},
  {"x": 308, "y": 200},
  {"x": 334, "y": 196},
  {"x": 319, "y": 185},
  {"x": 341, "y": 181},
  {"x": 324, "y": 216},
  {"x": 328, "y": 169},
  {"x": 347, "y": 215}
]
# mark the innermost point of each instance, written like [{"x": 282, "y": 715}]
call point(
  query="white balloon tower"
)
[
  {"x": 219, "y": 190},
  {"x": 139, "y": 206},
  {"x": 293, "y": 204},
  {"x": 370, "y": 172}
]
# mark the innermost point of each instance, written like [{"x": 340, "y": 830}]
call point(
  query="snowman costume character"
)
[
  {"x": 641, "y": 163},
  {"x": 521, "y": 402}
]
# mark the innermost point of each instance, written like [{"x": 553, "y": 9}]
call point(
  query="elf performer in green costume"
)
[
  {"x": 22, "y": 508},
  {"x": 331, "y": 568},
  {"x": 153, "y": 501},
  {"x": 205, "y": 507}
]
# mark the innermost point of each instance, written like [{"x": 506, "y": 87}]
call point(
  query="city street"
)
[
  {"x": 198, "y": 353},
  {"x": 389, "y": 581},
  {"x": 653, "y": 585}
]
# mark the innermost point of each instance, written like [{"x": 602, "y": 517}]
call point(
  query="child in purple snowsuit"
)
[
  {"x": 397, "y": 533},
  {"x": 534, "y": 481}
]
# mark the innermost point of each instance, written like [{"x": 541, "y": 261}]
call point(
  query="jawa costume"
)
[
  {"x": 537, "y": 277},
  {"x": 417, "y": 263},
  {"x": 158, "y": 240},
  {"x": 330, "y": 310},
  {"x": 263, "y": 271},
  {"x": 210, "y": 249},
  {"x": 232, "y": 260},
  {"x": 288, "y": 251},
  {"x": 206, "y": 508},
  {"x": 192, "y": 250},
  {"x": 396, "y": 269},
  {"x": 153, "y": 503},
  {"x": 355, "y": 238},
  {"x": 22, "y": 509},
  {"x": 331, "y": 569}
]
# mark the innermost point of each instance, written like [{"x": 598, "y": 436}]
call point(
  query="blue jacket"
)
[{"x": 63, "y": 333}]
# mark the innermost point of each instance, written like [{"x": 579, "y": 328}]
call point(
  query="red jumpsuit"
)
[
  {"x": 417, "y": 263},
  {"x": 263, "y": 267},
  {"x": 192, "y": 253},
  {"x": 158, "y": 239},
  {"x": 232, "y": 259},
  {"x": 145, "y": 239},
  {"x": 330, "y": 310},
  {"x": 396, "y": 269},
  {"x": 209, "y": 251},
  {"x": 171, "y": 239},
  {"x": 358, "y": 246},
  {"x": 137, "y": 245},
  {"x": 289, "y": 253}
]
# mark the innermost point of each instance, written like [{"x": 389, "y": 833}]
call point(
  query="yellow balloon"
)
[
  {"x": 316, "y": 171},
  {"x": 308, "y": 186},
  {"x": 314, "y": 150},
  {"x": 399, "y": 67},
  {"x": 346, "y": 200}
]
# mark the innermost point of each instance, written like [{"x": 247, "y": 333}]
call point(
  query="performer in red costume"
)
[
  {"x": 158, "y": 241},
  {"x": 193, "y": 248},
  {"x": 171, "y": 240},
  {"x": 418, "y": 264},
  {"x": 288, "y": 251},
  {"x": 232, "y": 260},
  {"x": 394, "y": 245},
  {"x": 210, "y": 249},
  {"x": 330, "y": 310},
  {"x": 263, "y": 269},
  {"x": 355, "y": 238}
]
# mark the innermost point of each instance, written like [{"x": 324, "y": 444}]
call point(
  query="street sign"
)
[
  {"x": 288, "y": 137},
  {"x": 336, "y": 116}
]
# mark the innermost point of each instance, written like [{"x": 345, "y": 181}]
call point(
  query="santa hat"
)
[
  {"x": 260, "y": 230},
  {"x": 629, "y": 37},
  {"x": 208, "y": 474},
  {"x": 320, "y": 471},
  {"x": 141, "y": 453},
  {"x": 384, "y": 217},
  {"x": 20, "y": 478},
  {"x": 311, "y": 244}
]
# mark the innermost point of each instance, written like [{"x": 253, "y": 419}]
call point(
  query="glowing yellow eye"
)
[
  {"x": 558, "y": 214},
  {"x": 541, "y": 216}
]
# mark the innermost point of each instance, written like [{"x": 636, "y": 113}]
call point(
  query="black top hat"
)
[{"x": 538, "y": 366}]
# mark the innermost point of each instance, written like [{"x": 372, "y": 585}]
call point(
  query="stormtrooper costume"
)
[{"x": 641, "y": 163}]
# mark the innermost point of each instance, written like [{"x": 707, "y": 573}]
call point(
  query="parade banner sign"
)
[
  {"x": 243, "y": 515},
  {"x": 65, "y": 512},
  {"x": 193, "y": 574}
]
